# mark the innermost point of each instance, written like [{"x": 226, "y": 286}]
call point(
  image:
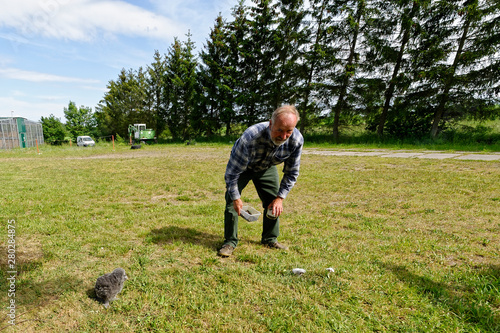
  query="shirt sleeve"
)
[
  {"x": 237, "y": 164},
  {"x": 290, "y": 172}
]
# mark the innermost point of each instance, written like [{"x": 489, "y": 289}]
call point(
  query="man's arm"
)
[
  {"x": 290, "y": 172},
  {"x": 238, "y": 162}
]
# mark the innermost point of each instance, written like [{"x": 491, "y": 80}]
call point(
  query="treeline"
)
[
  {"x": 403, "y": 68},
  {"x": 79, "y": 121}
]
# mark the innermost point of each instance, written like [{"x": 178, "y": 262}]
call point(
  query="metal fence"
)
[{"x": 19, "y": 133}]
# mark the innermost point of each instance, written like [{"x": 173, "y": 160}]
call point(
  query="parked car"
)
[{"x": 85, "y": 141}]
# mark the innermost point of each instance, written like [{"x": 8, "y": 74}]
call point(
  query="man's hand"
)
[
  {"x": 276, "y": 206},
  {"x": 238, "y": 204}
]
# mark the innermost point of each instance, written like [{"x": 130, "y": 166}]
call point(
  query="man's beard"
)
[{"x": 278, "y": 143}]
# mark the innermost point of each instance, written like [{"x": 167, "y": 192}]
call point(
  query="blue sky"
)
[{"x": 54, "y": 51}]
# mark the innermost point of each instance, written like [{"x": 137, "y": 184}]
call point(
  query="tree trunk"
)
[
  {"x": 349, "y": 68},
  {"x": 438, "y": 114},
  {"x": 389, "y": 93},
  {"x": 304, "y": 113}
]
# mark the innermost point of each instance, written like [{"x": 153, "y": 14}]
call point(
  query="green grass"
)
[{"x": 414, "y": 243}]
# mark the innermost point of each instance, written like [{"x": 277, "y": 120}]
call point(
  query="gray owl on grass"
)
[{"x": 109, "y": 285}]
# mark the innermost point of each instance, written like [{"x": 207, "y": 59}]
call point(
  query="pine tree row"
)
[{"x": 402, "y": 67}]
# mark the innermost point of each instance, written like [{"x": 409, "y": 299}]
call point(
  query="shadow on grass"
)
[
  {"x": 22, "y": 260},
  {"x": 91, "y": 295},
  {"x": 472, "y": 298},
  {"x": 168, "y": 235},
  {"x": 41, "y": 293},
  {"x": 20, "y": 268},
  {"x": 30, "y": 296}
]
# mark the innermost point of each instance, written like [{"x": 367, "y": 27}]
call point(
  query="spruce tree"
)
[
  {"x": 289, "y": 36},
  {"x": 180, "y": 90},
  {"x": 350, "y": 28},
  {"x": 393, "y": 47},
  {"x": 123, "y": 103},
  {"x": 258, "y": 62},
  {"x": 237, "y": 33},
  {"x": 218, "y": 77},
  {"x": 318, "y": 58},
  {"x": 466, "y": 83},
  {"x": 155, "y": 86}
]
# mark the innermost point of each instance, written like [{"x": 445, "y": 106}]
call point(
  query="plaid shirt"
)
[{"x": 255, "y": 151}]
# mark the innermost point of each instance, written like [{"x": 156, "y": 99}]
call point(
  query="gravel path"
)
[{"x": 409, "y": 154}]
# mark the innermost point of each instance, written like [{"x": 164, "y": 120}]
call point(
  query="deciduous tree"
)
[{"x": 80, "y": 121}]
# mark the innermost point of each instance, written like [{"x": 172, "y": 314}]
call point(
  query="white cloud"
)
[
  {"x": 5, "y": 60},
  {"x": 30, "y": 110},
  {"x": 85, "y": 20},
  {"x": 197, "y": 8},
  {"x": 18, "y": 93},
  {"x": 14, "y": 39},
  {"x": 200, "y": 15},
  {"x": 19, "y": 74}
]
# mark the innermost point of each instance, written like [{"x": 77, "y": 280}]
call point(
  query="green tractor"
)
[{"x": 139, "y": 133}]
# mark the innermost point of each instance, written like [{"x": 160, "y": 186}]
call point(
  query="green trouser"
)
[{"x": 267, "y": 185}]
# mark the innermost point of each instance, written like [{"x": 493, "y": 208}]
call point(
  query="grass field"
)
[{"x": 415, "y": 244}]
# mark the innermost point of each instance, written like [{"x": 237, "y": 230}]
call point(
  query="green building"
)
[{"x": 17, "y": 132}]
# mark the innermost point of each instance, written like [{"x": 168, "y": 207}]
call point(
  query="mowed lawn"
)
[{"x": 414, "y": 244}]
